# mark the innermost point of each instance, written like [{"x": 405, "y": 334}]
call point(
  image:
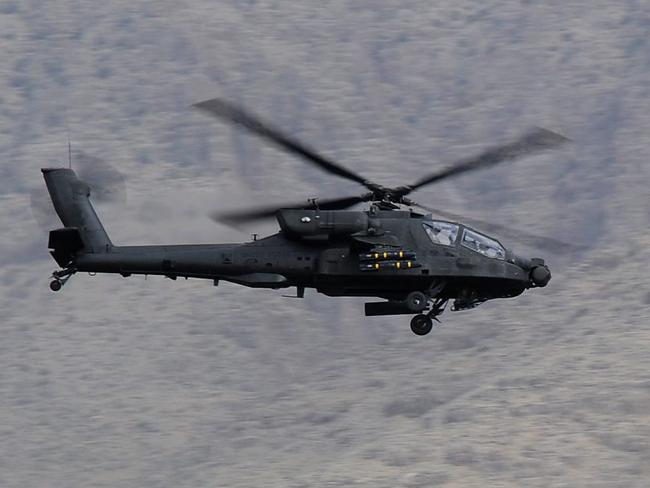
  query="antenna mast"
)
[{"x": 67, "y": 130}]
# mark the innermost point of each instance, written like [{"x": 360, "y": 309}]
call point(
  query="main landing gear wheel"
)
[
  {"x": 416, "y": 301},
  {"x": 421, "y": 325}
]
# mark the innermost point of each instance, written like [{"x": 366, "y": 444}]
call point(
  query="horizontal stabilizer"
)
[{"x": 64, "y": 243}]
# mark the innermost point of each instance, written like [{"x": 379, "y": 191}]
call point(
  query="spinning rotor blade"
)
[
  {"x": 532, "y": 240},
  {"x": 106, "y": 183},
  {"x": 268, "y": 211},
  {"x": 533, "y": 141},
  {"x": 43, "y": 209},
  {"x": 237, "y": 115}
]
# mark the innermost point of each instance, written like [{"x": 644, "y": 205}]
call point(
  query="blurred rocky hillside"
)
[{"x": 160, "y": 383}]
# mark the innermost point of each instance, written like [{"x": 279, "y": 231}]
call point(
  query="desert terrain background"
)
[{"x": 127, "y": 382}]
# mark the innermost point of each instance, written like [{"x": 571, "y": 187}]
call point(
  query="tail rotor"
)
[{"x": 106, "y": 183}]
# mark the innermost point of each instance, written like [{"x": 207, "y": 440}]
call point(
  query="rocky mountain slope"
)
[{"x": 161, "y": 383}]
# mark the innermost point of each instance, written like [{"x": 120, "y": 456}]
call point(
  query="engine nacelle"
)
[{"x": 322, "y": 223}]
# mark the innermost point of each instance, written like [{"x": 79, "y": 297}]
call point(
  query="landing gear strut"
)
[
  {"x": 423, "y": 323},
  {"x": 437, "y": 307},
  {"x": 60, "y": 278}
]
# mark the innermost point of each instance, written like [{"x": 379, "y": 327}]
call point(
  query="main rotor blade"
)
[
  {"x": 535, "y": 140},
  {"x": 532, "y": 240},
  {"x": 237, "y": 115},
  {"x": 244, "y": 216}
]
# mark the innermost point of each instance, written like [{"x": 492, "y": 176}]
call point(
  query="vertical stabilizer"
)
[{"x": 70, "y": 197}]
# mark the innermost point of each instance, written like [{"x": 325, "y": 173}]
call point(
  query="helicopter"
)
[{"x": 414, "y": 263}]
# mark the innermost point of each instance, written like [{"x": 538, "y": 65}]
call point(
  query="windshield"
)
[
  {"x": 482, "y": 244},
  {"x": 443, "y": 233}
]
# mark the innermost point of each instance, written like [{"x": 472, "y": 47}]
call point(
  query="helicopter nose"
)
[{"x": 540, "y": 275}]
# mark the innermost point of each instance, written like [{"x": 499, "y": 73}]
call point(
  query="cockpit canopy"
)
[
  {"x": 482, "y": 244},
  {"x": 446, "y": 234}
]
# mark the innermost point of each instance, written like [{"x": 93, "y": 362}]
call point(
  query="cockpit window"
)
[
  {"x": 443, "y": 233},
  {"x": 482, "y": 244}
]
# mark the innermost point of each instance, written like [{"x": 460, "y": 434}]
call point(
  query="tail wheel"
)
[
  {"x": 55, "y": 285},
  {"x": 421, "y": 325}
]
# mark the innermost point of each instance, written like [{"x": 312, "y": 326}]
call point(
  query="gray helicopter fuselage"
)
[
  {"x": 400, "y": 256},
  {"x": 328, "y": 258}
]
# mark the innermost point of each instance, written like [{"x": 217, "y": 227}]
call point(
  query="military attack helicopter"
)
[{"x": 412, "y": 261}]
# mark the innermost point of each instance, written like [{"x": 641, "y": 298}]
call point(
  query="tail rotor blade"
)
[
  {"x": 43, "y": 210},
  {"x": 106, "y": 183}
]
